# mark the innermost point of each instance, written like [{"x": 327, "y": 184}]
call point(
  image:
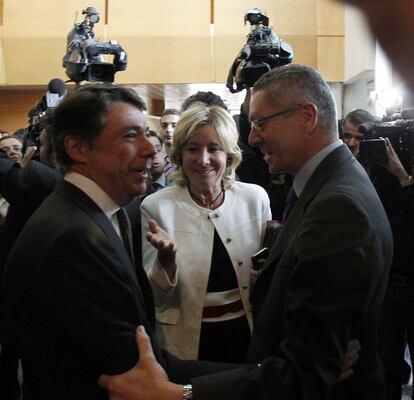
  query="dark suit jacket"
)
[
  {"x": 24, "y": 189},
  {"x": 74, "y": 300},
  {"x": 322, "y": 285}
]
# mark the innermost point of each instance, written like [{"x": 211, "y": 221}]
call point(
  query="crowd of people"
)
[{"x": 128, "y": 255}]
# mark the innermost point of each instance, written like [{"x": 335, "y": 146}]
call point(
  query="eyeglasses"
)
[{"x": 256, "y": 124}]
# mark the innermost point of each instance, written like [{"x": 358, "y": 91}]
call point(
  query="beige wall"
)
[{"x": 168, "y": 41}]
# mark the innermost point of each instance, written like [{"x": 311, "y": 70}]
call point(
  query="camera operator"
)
[
  {"x": 350, "y": 133},
  {"x": 263, "y": 51},
  {"x": 24, "y": 188},
  {"x": 394, "y": 185}
]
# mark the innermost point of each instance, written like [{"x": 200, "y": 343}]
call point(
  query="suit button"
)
[
  {"x": 239, "y": 262},
  {"x": 216, "y": 215},
  {"x": 244, "y": 286},
  {"x": 228, "y": 240}
]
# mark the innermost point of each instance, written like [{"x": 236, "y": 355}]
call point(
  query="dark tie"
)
[
  {"x": 290, "y": 201},
  {"x": 125, "y": 230},
  {"x": 154, "y": 188}
]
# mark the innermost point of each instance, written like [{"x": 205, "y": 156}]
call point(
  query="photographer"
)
[
  {"x": 350, "y": 133},
  {"x": 395, "y": 188},
  {"x": 263, "y": 51}
]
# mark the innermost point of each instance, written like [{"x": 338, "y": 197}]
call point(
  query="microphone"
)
[
  {"x": 57, "y": 86},
  {"x": 56, "y": 89}
]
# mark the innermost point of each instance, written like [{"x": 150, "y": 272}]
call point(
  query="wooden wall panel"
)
[
  {"x": 33, "y": 62},
  {"x": 330, "y": 18},
  {"x": 331, "y": 58},
  {"x": 14, "y": 106},
  {"x": 3, "y": 76},
  {"x": 288, "y": 17},
  {"x": 160, "y": 18},
  {"x": 166, "y": 60},
  {"x": 166, "y": 41},
  {"x": 46, "y": 18}
]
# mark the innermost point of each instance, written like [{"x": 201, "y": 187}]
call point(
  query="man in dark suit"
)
[
  {"x": 73, "y": 294},
  {"x": 324, "y": 280},
  {"x": 24, "y": 184}
]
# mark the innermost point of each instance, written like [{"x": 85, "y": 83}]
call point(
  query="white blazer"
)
[{"x": 240, "y": 222}]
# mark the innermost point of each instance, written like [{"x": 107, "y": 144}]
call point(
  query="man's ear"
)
[
  {"x": 76, "y": 149},
  {"x": 310, "y": 116}
]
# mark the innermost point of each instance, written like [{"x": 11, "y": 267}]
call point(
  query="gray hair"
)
[{"x": 296, "y": 84}]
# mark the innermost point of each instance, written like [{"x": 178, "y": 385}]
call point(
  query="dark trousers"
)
[{"x": 396, "y": 329}]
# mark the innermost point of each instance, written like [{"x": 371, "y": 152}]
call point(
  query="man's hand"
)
[
  {"x": 146, "y": 381},
  {"x": 31, "y": 151},
  {"x": 165, "y": 246},
  {"x": 351, "y": 357}
]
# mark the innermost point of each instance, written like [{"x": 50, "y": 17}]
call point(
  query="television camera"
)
[
  {"x": 263, "y": 51},
  {"x": 400, "y": 133},
  {"x": 84, "y": 59}
]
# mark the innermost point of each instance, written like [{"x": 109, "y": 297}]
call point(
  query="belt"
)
[{"x": 219, "y": 311}]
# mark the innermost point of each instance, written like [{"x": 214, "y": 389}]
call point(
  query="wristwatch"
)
[{"x": 188, "y": 392}]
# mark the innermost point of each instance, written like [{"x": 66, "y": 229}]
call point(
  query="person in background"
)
[
  {"x": 351, "y": 136},
  {"x": 157, "y": 177},
  {"x": 168, "y": 122},
  {"x": 12, "y": 147},
  {"x": 24, "y": 184},
  {"x": 202, "y": 291}
]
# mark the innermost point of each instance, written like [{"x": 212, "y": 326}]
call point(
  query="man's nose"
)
[
  {"x": 253, "y": 138},
  {"x": 353, "y": 142},
  {"x": 147, "y": 148}
]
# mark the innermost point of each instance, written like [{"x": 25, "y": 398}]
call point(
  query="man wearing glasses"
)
[{"x": 324, "y": 280}]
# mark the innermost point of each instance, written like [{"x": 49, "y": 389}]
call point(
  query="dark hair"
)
[
  {"x": 296, "y": 84},
  {"x": 151, "y": 133},
  {"x": 83, "y": 114},
  {"x": 170, "y": 111},
  {"x": 208, "y": 98},
  {"x": 358, "y": 117},
  {"x": 10, "y": 137}
]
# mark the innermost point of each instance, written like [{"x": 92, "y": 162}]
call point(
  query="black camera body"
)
[
  {"x": 400, "y": 133},
  {"x": 263, "y": 51},
  {"x": 83, "y": 60}
]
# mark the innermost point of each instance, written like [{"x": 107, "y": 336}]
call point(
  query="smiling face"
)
[
  {"x": 279, "y": 138},
  {"x": 118, "y": 158},
  {"x": 203, "y": 159}
]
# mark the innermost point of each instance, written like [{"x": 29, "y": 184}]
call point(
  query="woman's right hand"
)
[{"x": 165, "y": 246}]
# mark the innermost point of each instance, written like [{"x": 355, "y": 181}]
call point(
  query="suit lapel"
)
[
  {"x": 75, "y": 195},
  {"x": 288, "y": 232}
]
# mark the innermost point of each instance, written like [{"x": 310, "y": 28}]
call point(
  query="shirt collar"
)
[
  {"x": 161, "y": 180},
  {"x": 304, "y": 174},
  {"x": 94, "y": 192}
]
